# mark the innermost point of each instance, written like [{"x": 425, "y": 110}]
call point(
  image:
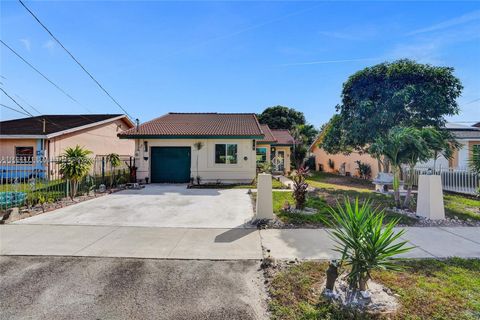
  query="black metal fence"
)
[{"x": 32, "y": 180}]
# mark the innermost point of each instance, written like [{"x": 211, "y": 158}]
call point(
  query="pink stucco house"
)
[{"x": 49, "y": 135}]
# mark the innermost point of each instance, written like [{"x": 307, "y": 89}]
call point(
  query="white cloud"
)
[
  {"x": 49, "y": 45},
  {"x": 471, "y": 16},
  {"x": 26, "y": 43}
]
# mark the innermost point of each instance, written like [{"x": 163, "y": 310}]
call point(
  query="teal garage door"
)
[{"x": 170, "y": 164}]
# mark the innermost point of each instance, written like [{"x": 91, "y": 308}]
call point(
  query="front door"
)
[
  {"x": 281, "y": 160},
  {"x": 170, "y": 164}
]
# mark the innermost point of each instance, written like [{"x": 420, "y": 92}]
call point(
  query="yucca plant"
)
[
  {"x": 364, "y": 241},
  {"x": 75, "y": 164}
]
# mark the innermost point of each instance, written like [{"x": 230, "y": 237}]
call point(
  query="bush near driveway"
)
[{"x": 427, "y": 289}]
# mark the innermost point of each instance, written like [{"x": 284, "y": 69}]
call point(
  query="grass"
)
[
  {"x": 462, "y": 207},
  {"x": 334, "y": 187},
  {"x": 427, "y": 289},
  {"x": 275, "y": 185},
  {"x": 326, "y": 200}
]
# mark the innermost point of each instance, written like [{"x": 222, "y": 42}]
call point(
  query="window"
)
[
  {"x": 24, "y": 154},
  {"x": 475, "y": 152},
  {"x": 226, "y": 153},
  {"x": 261, "y": 155}
]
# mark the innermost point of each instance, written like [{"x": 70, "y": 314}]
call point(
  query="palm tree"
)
[
  {"x": 74, "y": 165},
  {"x": 419, "y": 147},
  {"x": 393, "y": 147},
  {"x": 198, "y": 146},
  {"x": 114, "y": 160}
]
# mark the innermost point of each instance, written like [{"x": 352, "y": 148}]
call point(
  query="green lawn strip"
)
[
  {"x": 275, "y": 185},
  {"x": 461, "y": 206},
  {"x": 427, "y": 289},
  {"x": 326, "y": 180},
  {"x": 327, "y": 198}
]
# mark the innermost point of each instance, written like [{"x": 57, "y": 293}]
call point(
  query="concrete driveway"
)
[
  {"x": 157, "y": 205},
  {"x": 112, "y": 288}
]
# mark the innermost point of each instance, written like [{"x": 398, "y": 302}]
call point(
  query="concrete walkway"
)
[{"x": 214, "y": 244}]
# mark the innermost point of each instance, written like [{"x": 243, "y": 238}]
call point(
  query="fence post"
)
[
  {"x": 264, "y": 197},
  {"x": 103, "y": 170}
]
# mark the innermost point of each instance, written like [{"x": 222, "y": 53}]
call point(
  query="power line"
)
[
  {"x": 71, "y": 55},
  {"x": 28, "y": 104},
  {"x": 13, "y": 109},
  {"x": 16, "y": 102},
  {"x": 43, "y": 75}
]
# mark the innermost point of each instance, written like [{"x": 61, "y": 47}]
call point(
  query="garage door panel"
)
[{"x": 170, "y": 164}]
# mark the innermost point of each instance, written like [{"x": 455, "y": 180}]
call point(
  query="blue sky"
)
[{"x": 156, "y": 57}]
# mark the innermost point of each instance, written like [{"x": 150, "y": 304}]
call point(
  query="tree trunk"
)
[
  {"x": 362, "y": 283},
  {"x": 406, "y": 202},
  {"x": 332, "y": 275},
  {"x": 396, "y": 186}
]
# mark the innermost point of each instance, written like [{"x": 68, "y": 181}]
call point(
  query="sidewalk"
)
[{"x": 214, "y": 244}]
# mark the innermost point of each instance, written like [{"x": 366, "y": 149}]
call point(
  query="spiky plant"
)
[
  {"x": 364, "y": 241},
  {"x": 75, "y": 164},
  {"x": 300, "y": 186}
]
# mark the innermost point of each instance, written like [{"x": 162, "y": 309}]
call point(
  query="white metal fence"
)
[{"x": 455, "y": 180}]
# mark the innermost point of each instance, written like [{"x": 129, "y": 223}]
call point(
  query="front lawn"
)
[
  {"x": 462, "y": 207},
  {"x": 322, "y": 201},
  {"x": 276, "y": 184},
  {"x": 427, "y": 289},
  {"x": 333, "y": 187}
]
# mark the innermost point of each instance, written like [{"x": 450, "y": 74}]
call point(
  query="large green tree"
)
[
  {"x": 280, "y": 117},
  {"x": 400, "y": 93}
]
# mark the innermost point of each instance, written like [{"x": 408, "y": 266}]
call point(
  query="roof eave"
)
[{"x": 147, "y": 136}]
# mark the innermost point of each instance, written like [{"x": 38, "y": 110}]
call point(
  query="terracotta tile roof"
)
[
  {"x": 53, "y": 123},
  {"x": 198, "y": 124},
  {"x": 282, "y": 136},
  {"x": 268, "y": 135}
]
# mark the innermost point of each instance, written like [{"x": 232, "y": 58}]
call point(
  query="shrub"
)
[
  {"x": 74, "y": 165},
  {"x": 331, "y": 164},
  {"x": 300, "y": 186},
  {"x": 364, "y": 242},
  {"x": 364, "y": 169}
]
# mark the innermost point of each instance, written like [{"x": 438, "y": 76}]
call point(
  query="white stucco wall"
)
[{"x": 208, "y": 170}]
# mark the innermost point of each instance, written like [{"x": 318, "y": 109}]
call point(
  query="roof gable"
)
[
  {"x": 268, "y": 134},
  {"x": 46, "y": 125},
  {"x": 198, "y": 125},
  {"x": 283, "y": 136}
]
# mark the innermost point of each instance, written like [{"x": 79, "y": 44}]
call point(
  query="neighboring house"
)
[
  {"x": 345, "y": 164},
  {"x": 165, "y": 147},
  {"x": 275, "y": 148},
  {"x": 50, "y": 135},
  {"x": 469, "y": 138}
]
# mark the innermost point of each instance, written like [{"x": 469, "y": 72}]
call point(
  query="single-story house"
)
[
  {"x": 49, "y": 135},
  {"x": 275, "y": 148},
  {"x": 469, "y": 139},
  {"x": 467, "y": 136},
  {"x": 166, "y": 147}
]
